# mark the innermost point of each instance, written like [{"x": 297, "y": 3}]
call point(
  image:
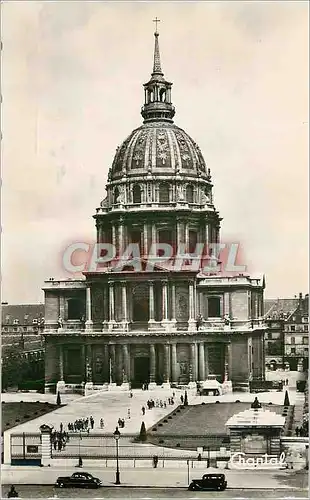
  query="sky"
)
[{"x": 72, "y": 76}]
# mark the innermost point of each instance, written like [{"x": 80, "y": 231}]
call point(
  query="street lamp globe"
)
[{"x": 116, "y": 434}]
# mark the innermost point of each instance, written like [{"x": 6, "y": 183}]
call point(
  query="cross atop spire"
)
[
  {"x": 157, "y": 67},
  {"x": 156, "y": 21},
  {"x": 157, "y": 91}
]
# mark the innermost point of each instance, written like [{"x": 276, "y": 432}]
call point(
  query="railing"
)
[{"x": 227, "y": 324}]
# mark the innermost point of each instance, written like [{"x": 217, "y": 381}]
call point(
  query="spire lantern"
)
[{"x": 157, "y": 104}]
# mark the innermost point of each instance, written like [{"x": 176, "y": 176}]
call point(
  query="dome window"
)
[
  {"x": 164, "y": 196},
  {"x": 136, "y": 194},
  {"x": 162, "y": 95},
  {"x": 190, "y": 193},
  {"x": 116, "y": 195}
]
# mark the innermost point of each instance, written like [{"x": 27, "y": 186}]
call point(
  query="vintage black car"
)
[
  {"x": 209, "y": 482},
  {"x": 78, "y": 480}
]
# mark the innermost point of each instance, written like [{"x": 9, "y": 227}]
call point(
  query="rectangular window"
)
[
  {"x": 306, "y": 328},
  {"x": 269, "y": 335},
  {"x": 214, "y": 307},
  {"x": 305, "y": 340},
  {"x": 192, "y": 241},
  {"x": 293, "y": 340},
  {"x": 306, "y": 349},
  {"x": 293, "y": 350},
  {"x": 292, "y": 328},
  {"x": 31, "y": 448}
]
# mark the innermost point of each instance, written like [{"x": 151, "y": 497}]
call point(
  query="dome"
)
[{"x": 158, "y": 147}]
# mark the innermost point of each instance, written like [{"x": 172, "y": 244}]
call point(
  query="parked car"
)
[
  {"x": 78, "y": 480},
  {"x": 209, "y": 482}
]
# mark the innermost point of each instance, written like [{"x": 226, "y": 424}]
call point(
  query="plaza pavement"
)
[
  {"x": 150, "y": 477},
  {"x": 115, "y": 404}
]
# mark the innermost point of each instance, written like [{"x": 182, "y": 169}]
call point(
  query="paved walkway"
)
[
  {"x": 114, "y": 405},
  {"x": 149, "y": 477}
]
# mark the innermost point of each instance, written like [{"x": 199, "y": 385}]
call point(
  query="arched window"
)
[
  {"x": 164, "y": 193},
  {"x": 190, "y": 193},
  {"x": 136, "y": 193},
  {"x": 150, "y": 95},
  {"x": 162, "y": 95},
  {"x": 116, "y": 195}
]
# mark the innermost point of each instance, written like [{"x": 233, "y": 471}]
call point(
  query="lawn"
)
[
  {"x": 18, "y": 413},
  {"x": 200, "y": 425}
]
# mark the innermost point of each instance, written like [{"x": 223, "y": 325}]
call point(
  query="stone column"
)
[
  {"x": 154, "y": 234},
  {"x": 83, "y": 355},
  {"x": 62, "y": 307},
  {"x": 164, "y": 301},
  {"x": 105, "y": 308},
  {"x": 125, "y": 305},
  {"x": 121, "y": 238},
  {"x": 61, "y": 363},
  {"x": 89, "y": 323},
  {"x": 61, "y": 387},
  {"x": 106, "y": 363},
  {"x": 114, "y": 235},
  {"x": 191, "y": 320},
  {"x": 174, "y": 363},
  {"x": 126, "y": 367},
  {"x": 111, "y": 305},
  {"x": 152, "y": 383},
  {"x": 187, "y": 237},
  {"x": 89, "y": 363},
  {"x": 206, "y": 349},
  {"x": 166, "y": 383},
  {"x": 145, "y": 240},
  {"x": 151, "y": 303},
  {"x": 196, "y": 362},
  {"x": 173, "y": 306},
  {"x": 192, "y": 370},
  {"x": 201, "y": 361},
  {"x": 228, "y": 368},
  {"x": 112, "y": 367},
  {"x": 226, "y": 304}
]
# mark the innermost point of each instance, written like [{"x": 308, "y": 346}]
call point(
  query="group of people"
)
[
  {"x": 59, "y": 439},
  {"x": 121, "y": 423},
  {"x": 83, "y": 424},
  {"x": 159, "y": 403}
]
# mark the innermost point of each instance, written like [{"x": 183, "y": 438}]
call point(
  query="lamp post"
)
[{"x": 117, "y": 435}]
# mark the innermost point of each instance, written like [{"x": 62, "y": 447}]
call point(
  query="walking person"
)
[{"x": 143, "y": 410}]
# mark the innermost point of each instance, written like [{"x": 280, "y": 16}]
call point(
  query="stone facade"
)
[{"x": 129, "y": 322}]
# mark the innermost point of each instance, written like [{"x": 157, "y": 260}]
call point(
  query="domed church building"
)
[{"x": 155, "y": 309}]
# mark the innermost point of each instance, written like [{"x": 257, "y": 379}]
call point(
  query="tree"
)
[
  {"x": 58, "y": 401},
  {"x": 185, "y": 399},
  {"x": 13, "y": 368},
  {"x": 286, "y": 399},
  {"x": 142, "y": 435}
]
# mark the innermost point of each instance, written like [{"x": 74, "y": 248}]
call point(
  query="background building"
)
[
  {"x": 129, "y": 323},
  {"x": 286, "y": 337}
]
